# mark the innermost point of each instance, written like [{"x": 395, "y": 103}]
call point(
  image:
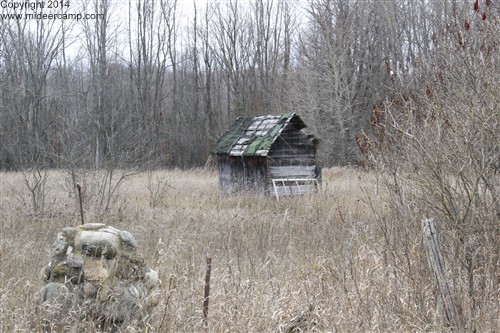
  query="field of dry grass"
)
[{"x": 271, "y": 260}]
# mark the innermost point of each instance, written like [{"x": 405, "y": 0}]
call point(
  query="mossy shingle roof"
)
[{"x": 253, "y": 136}]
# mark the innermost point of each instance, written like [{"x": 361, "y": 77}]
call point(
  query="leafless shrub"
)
[
  {"x": 158, "y": 187},
  {"x": 100, "y": 189},
  {"x": 33, "y": 180}
]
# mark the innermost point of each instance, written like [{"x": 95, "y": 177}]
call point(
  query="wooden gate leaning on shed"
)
[{"x": 268, "y": 154}]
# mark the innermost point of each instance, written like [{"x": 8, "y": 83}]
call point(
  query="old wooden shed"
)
[{"x": 268, "y": 154}]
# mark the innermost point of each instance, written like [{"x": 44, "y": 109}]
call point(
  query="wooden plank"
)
[
  {"x": 309, "y": 175},
  {"x": 437, "y": 266},
  {"x": 292, "y": 171},
  {"x": 292, "y": 149},
  {"x": 292, "y": 167},
  {"x": 292, "y": 160}
]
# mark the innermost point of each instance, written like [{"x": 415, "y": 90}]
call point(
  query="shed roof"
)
[{"x": 253, "y": 136}]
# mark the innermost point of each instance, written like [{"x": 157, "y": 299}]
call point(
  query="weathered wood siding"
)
[
  {"x": 292, "y": 155},
  {"x": 229, "y": 169},
  {"x": 238, "y": 174},
  {"x": 255, "y": 173}
]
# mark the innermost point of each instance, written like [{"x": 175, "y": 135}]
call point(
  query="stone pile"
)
[{"x": 97, "y": 274}]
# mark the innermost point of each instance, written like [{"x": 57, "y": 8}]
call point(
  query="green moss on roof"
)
[
  {"x": 225, "y": 142},
  {"x": 253, "y": 136}
]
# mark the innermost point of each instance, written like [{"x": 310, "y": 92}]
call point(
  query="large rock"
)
[
  {"x": 97, "y": 273},
  {"x": 97, "y": 243}
]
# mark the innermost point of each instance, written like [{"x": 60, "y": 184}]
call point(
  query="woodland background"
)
[{"x": 150, "y": 86}]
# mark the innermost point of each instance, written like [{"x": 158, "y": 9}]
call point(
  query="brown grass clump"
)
[{"x": 327, "y": 257}]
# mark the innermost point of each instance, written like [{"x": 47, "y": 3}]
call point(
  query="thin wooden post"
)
[
  {"x": 207, "y": 290},
  {"x": 79, "y": 188},
  {"x": 437, "y": 266}
]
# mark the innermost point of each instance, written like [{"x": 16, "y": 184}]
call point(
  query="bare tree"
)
[
  {"x": 274, "y": 26},
  {"x": 97, "y": 44},
  {"x": 30, "y": 49},
  {"x": 234, "y": 32},
  {"x": 149, "y": 38},
  {"x": 27, "y": 54}
]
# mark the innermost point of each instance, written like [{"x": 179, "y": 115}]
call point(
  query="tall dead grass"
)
[{"x": 330, "y": 253}]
